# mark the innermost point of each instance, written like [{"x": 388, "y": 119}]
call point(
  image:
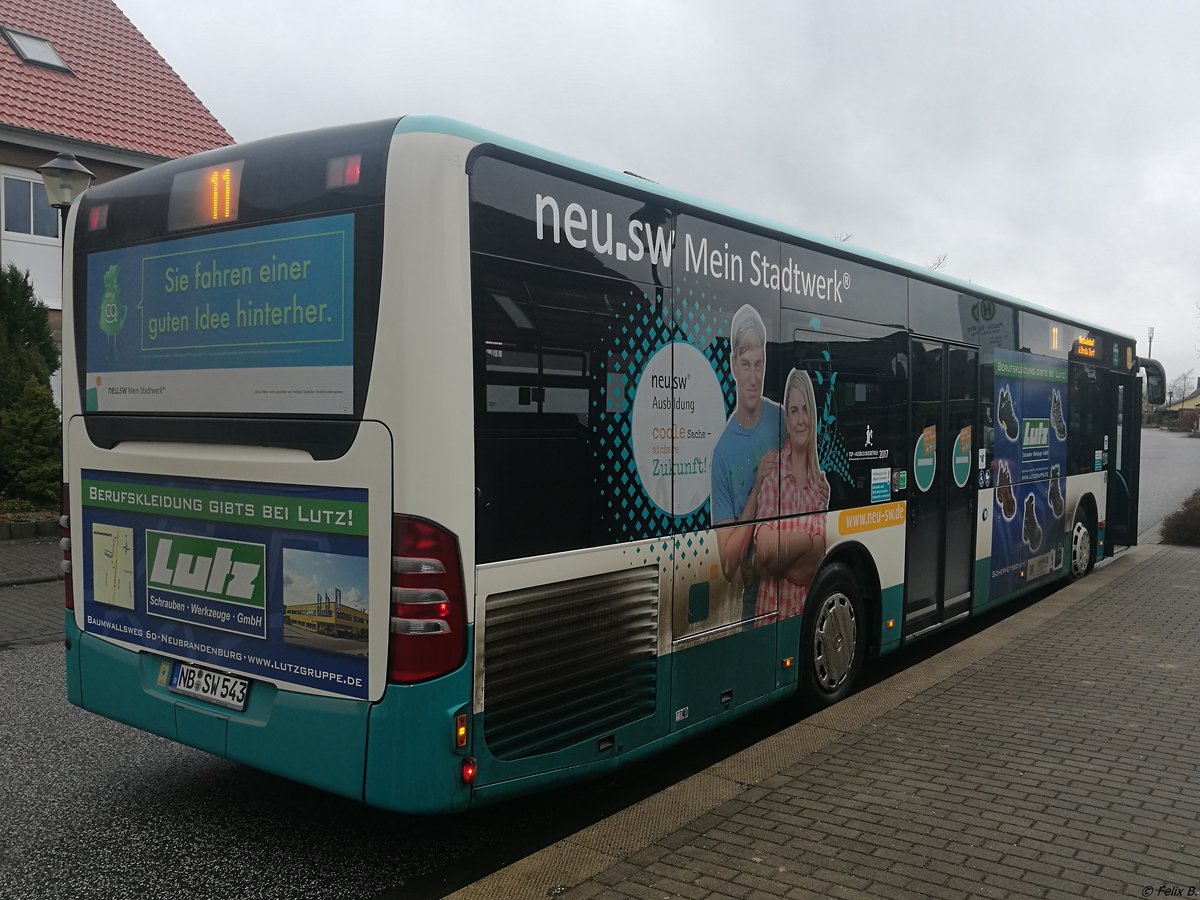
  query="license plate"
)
[{"x": 215, "y": 687}]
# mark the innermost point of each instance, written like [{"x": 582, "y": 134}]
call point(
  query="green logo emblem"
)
[
  {"x": 112, "y": 310},
  {"x": 231, "y": 571}
]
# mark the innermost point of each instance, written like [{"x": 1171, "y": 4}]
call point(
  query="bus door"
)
[
  {"x": 941, "y": 496},
  {"x": 1123, "y": 442}
]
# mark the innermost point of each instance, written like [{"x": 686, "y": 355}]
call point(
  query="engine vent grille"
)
[{"x": 569, "y": 661}]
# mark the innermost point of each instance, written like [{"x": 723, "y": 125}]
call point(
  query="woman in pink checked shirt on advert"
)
[{"x": 789, "y": 549}]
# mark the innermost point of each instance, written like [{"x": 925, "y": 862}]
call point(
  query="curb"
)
[
  {"x": 23, "y": 531},
  {"x": 33, "y": 640},
  {"x": 577, "y": 859},
  {"x": 28, "y": 579}
]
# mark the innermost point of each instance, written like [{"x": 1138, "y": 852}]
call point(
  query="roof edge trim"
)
[{"x": 54, "y": 143}]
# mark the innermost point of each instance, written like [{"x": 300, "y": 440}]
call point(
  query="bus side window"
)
[
  {"x": 861, "y": 388},
  {"x": 544, "y": 369}
]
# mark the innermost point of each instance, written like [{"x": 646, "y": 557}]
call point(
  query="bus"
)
[{"x": 429, "y": 468}]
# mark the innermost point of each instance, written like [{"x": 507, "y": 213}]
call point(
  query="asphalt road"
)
[{"x": 1170, "y": 473}]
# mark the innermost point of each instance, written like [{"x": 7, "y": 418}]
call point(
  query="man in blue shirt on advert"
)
[{"x": 752, "y": 431}]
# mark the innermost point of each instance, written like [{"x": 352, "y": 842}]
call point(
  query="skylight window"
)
[{"x": 34, "y": 50}]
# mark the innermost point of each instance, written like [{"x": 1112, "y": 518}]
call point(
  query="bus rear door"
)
[
  {"x": 1123, "y": 442},
  {"x": 941, "y": 495}
]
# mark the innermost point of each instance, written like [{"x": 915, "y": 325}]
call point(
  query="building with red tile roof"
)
[{"x": 77, "y": 77}]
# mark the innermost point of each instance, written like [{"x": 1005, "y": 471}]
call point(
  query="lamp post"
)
[
  {"x": 1150, "y": 349},
  {"x": 64, "y": 178}
]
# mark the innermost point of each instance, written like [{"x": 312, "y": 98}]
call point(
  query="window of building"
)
[
  {"x": 26, "y": 209},
  {"x": 34, "y": 50}
]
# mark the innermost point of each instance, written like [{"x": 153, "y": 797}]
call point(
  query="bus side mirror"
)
[{"x": 1156, "y": 381}]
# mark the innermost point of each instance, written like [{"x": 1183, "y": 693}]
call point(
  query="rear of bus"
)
[{"x": 240, "y": 582}]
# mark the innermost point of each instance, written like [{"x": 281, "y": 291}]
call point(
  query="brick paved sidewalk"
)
[
  {"x": 31, "y": 613},
  {"x": 26, "y": 562},
  {"x": 1054, "y": 755},
  {"x": 31, "y": 592}
]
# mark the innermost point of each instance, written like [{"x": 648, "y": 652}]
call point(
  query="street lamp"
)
[
  {"x": 65, "y": 178},
  {"x": 1150, "y": 349}
]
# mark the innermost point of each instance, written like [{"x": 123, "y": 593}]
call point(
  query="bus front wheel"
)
[{"x": 833, "y": 639}]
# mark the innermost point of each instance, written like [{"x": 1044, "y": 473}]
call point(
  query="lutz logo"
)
[
  {"x": 204, "y": 567},
  {"x": 1037, "y": 433}
]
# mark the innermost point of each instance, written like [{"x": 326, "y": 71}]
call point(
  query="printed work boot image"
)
[
  {"x": 1031, "y": 531},
  {"x": 1056, "y": 416},
  {"x": 1004, "y": 492},
  {"x": 1055, "y": 494},
  {"x": 1007, "y": 416}
]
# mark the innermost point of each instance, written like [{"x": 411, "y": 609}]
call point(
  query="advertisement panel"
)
[
  {"x": 267, "y": 579},
  {"x": 258, "y": 320},
  {"x": 1029, "y": 469},
  {"x": 699, "y": 371}
]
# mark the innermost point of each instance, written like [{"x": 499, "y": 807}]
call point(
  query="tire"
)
[
  {"x": 834, "y": 637},
  {"x": 1083, "y": 546}
]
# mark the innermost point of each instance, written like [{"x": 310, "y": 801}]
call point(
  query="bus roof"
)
[{"x": 441, "y": 125}]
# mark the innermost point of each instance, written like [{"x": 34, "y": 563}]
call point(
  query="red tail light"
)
[
  {"x": 429, "y": 604},
  {"x": 65, "y": 542}
]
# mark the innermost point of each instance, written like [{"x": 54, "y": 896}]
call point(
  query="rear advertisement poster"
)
[{"x": 267, "y": 579}]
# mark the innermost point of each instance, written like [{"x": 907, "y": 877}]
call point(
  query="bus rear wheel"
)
[
  {"x": 833, "y": 639},
  {"x": 1083, "y": 546}
]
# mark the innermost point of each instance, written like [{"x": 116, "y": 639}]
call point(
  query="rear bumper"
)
[
  {"x": 315, "y": 740},
  {"x": 397, "y": 754}
]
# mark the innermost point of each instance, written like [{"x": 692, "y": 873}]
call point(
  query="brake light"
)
[
  {"x": 429, "y": 604},
  {"x": 64, "y": 542}
]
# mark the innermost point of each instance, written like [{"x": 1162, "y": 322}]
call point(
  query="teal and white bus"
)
[{"x": 430, "y": 468}]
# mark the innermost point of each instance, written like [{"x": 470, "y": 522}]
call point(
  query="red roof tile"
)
[{"x": 121, "y": 93}]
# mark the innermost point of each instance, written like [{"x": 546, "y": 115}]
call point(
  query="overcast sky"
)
[{"x": 1050, "y": 150}]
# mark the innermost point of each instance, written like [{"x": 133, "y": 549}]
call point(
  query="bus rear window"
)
[{"x": 253, "y": 321}]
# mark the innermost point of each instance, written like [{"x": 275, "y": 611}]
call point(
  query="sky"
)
[
  {"x": 1050, "y": 151},
  {"x": 307, "y": 573}
]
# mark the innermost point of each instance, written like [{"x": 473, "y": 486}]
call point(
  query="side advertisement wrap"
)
[
  {"x": 1029, "y": 469},
  {"x": 258, "y": 320},
  {"x": 693, "y": 370},
  {"x": 270, "y": 580}
]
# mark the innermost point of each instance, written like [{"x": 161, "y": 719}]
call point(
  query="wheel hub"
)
[
  {"x": 835, "y": 638},
  {"x": 1081, "y": 549}
]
